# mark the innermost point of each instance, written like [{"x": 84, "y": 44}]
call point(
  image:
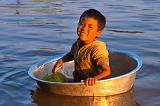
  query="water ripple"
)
[{"x": 123, "y": 31}]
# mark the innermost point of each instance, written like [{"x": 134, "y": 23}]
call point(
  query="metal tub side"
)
[
  {"x": 103, "y": 88},
  {"x": 110, "y": 86}
]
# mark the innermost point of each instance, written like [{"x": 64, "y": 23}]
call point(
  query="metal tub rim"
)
[{"x": 54, "y": 58}]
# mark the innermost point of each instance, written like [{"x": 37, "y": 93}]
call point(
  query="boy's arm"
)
[
  {"x": 100, "y": 57},
  {"x": 59, "y": 63},
  {"x": 103, "y": 64},
  {"x": 105, "y": 71}
]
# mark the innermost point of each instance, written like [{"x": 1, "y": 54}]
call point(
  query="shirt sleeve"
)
[
  {"x": 72, "y": 50},
  {"x": 74, "y": 47},
  {"x": 100, "y": 55}
]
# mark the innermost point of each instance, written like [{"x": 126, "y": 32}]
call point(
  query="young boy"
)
[{"x": 90, "y": 55}]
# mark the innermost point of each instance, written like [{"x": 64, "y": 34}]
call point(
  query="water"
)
[{"x": 34, "y": 29}]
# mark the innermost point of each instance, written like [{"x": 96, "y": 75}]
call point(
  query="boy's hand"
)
[
  {"x": 90, "y": 81},
  {"x": 58, "y": 64}
]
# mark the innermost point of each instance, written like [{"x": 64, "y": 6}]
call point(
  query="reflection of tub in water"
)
[
  {"x": 43, "y": 98},
  {"x": 123, "y": 64}
]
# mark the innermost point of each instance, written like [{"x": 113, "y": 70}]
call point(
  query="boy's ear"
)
[{"x": 99, "y": 33}]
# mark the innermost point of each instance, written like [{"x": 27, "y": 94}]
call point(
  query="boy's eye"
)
[{"x": 90, "y": 27}]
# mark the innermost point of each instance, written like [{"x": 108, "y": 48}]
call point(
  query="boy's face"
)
[{"x": 87, "y": 29}]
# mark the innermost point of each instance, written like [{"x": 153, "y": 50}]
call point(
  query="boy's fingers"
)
[
  {"x": 62, "y": 67},
  {"x": 82, "y": 81},
  {"x": 90, "y": 81},
  {"x": 53, "y": 70},
  {"x": 86, "y": 82},
  {"x": 57, "y": 66},
  {"x": 93, "y": 81}
]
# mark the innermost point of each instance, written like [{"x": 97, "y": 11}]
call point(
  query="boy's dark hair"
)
[{"x": 96, "y": 15}]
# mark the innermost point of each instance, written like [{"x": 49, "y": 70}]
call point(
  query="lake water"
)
[{"x": 31, "y": 30}]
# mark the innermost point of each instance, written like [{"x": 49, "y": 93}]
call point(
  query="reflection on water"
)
[{"x": 43, "y": 98}]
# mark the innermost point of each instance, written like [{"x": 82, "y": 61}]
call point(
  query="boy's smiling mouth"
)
[{"x": 82, "y": 33}]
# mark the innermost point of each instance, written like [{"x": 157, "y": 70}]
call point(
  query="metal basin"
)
[{"x": 124, "y": 66}]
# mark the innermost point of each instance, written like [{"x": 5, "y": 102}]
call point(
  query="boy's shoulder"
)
[
  {"x": 94, "y": 44},
  {"x": 99, "y": 43}
]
